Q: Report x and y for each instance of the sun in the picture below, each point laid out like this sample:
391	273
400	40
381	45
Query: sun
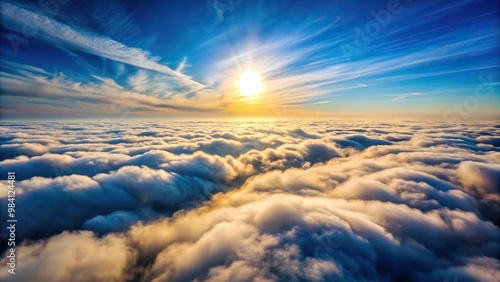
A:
250	84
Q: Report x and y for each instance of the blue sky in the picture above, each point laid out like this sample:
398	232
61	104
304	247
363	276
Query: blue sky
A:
127	59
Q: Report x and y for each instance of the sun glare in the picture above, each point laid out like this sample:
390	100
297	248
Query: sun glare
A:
250	84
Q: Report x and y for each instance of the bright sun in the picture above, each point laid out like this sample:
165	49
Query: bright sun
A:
250	84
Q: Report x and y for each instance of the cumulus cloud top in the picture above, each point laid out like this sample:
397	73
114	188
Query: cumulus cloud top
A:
255	201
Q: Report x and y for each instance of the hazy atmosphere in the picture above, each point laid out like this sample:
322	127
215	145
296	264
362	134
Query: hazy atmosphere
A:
237	140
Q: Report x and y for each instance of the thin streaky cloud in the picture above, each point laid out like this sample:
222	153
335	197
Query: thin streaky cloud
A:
58	33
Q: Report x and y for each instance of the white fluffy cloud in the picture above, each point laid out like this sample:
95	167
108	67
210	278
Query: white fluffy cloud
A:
73	257
256	201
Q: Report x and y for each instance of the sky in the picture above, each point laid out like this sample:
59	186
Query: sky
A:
185	59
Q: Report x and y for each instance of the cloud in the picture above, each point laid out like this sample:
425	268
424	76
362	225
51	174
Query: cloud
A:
65	35
480	178
102	95
403	96
25	149
72	257
182	65
257	201
76	199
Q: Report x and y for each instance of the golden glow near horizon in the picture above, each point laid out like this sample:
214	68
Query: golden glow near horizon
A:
250	84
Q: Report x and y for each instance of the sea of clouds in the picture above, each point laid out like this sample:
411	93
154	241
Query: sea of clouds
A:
262	200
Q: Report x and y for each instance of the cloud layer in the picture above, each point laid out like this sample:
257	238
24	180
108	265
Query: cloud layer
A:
255	201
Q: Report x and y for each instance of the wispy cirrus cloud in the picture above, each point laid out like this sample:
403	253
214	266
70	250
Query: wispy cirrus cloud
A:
307	65
60	34
182	65
29	88
300	64
402	96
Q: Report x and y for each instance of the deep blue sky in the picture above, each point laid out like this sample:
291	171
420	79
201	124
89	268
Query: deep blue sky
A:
184	58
